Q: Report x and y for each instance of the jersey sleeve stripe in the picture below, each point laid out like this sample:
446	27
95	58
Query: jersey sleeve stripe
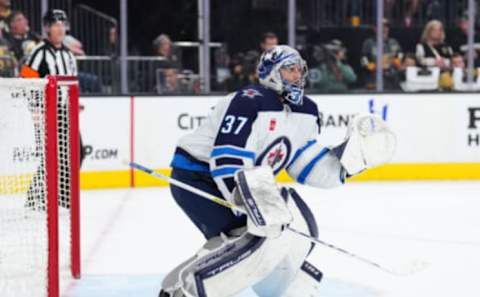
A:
224	171
306	171
230	151
299	152
228	161
183	162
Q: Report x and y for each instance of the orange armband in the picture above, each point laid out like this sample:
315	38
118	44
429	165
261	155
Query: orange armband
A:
28	72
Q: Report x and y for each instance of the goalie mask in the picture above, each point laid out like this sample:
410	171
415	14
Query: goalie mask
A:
270	72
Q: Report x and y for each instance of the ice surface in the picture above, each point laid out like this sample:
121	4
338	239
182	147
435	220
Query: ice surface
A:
132	238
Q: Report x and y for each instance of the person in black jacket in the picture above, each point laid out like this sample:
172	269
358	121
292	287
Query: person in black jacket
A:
433	51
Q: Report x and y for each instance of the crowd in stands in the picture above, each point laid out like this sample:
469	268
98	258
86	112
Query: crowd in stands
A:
17	40
437	63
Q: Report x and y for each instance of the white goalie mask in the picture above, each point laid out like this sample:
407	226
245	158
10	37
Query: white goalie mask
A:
272	61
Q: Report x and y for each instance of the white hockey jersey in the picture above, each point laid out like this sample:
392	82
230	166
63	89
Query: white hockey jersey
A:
253	127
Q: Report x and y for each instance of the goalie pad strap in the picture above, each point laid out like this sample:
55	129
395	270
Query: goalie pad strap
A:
250	204
258	193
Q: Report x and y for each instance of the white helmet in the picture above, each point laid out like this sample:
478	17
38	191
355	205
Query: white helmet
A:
271	61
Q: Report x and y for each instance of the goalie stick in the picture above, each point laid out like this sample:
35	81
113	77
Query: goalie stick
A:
227	204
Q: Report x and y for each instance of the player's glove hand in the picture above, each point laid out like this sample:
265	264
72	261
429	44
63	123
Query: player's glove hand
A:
369	143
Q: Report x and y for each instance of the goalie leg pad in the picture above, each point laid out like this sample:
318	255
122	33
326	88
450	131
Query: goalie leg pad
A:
266	209
226	266
289	270
306	282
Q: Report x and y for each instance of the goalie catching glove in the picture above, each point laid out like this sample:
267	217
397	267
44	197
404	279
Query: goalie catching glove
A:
258	194
369	142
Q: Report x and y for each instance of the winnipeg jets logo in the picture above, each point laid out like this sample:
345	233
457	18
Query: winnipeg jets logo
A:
251	93
276	154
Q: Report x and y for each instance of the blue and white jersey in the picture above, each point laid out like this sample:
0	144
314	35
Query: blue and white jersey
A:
249	128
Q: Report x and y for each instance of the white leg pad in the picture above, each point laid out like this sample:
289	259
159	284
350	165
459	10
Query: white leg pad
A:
289	276
306	282
226	266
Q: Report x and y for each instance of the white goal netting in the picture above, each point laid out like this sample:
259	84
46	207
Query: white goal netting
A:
28	257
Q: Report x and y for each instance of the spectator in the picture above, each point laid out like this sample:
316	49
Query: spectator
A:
238	78
335	75
410	10
459	75
250	62
392	54
112	46
408	60
5	12
163	47
432	49
171	82
7	59
459	39
170	77
74	45
269	40
458	61
446	82
111	49
20	38
222	71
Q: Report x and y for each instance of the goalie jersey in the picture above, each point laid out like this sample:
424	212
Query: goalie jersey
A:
252	127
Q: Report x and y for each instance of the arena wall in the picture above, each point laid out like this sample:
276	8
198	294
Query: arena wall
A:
438	134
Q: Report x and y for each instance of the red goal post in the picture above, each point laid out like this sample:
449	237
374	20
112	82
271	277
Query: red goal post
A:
39	185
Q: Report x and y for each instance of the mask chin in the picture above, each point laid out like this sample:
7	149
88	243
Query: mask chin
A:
293	94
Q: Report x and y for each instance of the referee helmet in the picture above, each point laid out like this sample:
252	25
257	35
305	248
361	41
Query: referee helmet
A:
54	15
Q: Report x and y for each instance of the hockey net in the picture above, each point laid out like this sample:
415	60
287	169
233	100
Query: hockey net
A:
39	188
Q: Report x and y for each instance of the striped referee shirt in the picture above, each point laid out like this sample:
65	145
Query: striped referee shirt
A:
46	59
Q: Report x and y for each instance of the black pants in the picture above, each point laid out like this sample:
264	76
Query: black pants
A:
210	218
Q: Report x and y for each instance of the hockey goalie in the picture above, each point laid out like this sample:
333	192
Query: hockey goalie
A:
249	137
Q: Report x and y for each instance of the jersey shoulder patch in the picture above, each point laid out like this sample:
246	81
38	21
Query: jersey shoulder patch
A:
265	99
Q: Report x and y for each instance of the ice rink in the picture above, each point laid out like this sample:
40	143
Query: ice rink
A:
132	238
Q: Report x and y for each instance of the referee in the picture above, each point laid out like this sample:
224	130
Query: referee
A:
50	57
